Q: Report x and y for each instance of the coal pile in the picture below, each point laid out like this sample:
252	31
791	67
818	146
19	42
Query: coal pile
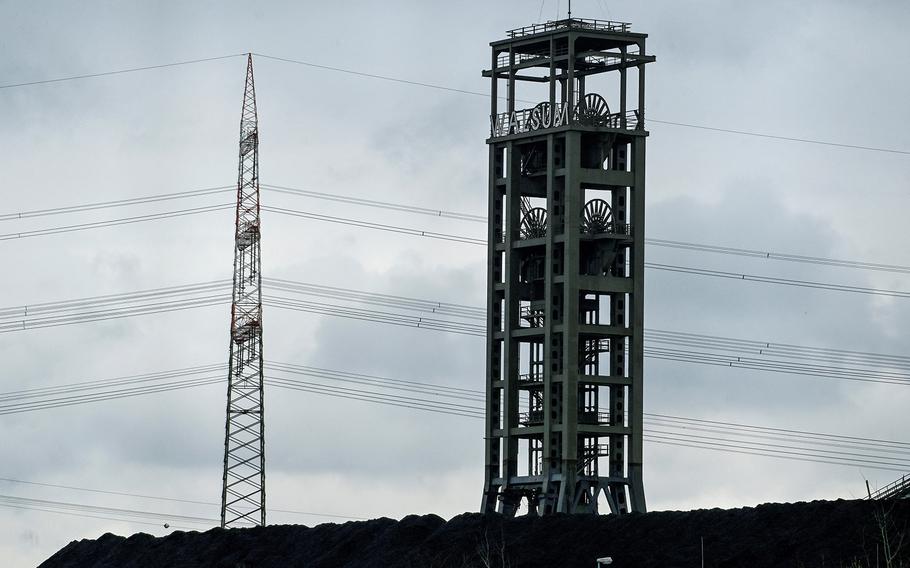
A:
821	533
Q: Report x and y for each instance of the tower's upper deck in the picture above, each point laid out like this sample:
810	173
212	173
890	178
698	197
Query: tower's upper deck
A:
607	26
567	55
599	45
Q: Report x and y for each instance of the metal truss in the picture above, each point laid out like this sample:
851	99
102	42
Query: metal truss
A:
565	269
243	482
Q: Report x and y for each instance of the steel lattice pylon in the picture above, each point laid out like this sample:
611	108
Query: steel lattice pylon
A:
243	482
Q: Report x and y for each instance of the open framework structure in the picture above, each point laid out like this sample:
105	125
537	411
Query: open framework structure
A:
566	269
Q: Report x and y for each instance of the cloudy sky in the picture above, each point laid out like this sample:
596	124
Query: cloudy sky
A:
825	70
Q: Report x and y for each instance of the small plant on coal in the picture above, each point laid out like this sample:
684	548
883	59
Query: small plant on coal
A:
892	537
492	552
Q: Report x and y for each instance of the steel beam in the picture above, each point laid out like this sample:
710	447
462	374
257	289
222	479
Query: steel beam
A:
566	274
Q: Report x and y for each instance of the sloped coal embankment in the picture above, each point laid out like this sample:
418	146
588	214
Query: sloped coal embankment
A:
821	533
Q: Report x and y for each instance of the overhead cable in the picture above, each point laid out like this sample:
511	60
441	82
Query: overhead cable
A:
441	88
170	499
671	345
115	203
114	222
486	95
677	244
119	71
377	226
859	454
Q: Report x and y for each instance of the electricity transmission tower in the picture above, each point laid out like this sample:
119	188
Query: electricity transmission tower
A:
566	269
243	482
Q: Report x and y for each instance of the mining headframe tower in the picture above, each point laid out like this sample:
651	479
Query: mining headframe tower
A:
565	286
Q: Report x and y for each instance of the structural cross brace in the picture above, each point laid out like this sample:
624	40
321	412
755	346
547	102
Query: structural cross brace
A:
565	286
243	480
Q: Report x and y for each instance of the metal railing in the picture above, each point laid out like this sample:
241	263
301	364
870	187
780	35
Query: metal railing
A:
535	417
606	58
593	417
597	450
524	57
574	23
898	489
615	228
505	124
530	378
532	418
533	316
622	228
603	59
597	345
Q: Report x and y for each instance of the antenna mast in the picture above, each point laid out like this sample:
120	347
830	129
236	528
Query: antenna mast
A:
243	481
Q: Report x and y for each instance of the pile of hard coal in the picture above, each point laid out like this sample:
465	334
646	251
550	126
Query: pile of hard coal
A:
820	533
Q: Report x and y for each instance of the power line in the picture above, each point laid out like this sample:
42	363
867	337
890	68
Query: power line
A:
89	516
804	454
707	425
434	389
655	436
376	203
107	395
834	454
734	450
699	348
467	240
171	499
373	380
758	347
417	403
796	450
118	72
116	381
769	361
765	349
369	75
107	299
419	322
702	247
109	314
461	216
649	265
114	203
298	192
775	362
111	389
786	138
472	394
653	424
769	255
436	87
80	507
459	409
99	512
779	281
710	360
771	365
681	124
406	302
370	396
778	430
113	222
377	226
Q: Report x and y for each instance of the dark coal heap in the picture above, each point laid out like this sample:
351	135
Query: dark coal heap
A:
821	533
